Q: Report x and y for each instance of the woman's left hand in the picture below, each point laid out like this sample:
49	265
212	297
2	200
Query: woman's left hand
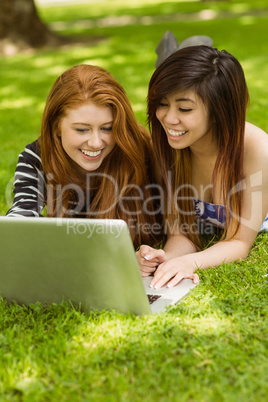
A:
173	271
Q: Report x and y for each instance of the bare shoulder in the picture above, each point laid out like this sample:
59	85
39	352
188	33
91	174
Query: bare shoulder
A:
256	147
254	134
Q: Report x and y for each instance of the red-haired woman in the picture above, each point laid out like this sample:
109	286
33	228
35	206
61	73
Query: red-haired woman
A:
213	165
93	158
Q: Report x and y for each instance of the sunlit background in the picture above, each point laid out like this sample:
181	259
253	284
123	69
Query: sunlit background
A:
122	36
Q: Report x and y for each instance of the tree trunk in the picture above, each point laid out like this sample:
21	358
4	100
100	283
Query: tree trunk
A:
21	26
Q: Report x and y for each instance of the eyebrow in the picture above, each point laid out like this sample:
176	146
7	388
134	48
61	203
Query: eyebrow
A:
87	124
184	100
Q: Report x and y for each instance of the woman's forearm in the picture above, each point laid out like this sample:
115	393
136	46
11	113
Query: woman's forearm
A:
177	246
222	252
173	270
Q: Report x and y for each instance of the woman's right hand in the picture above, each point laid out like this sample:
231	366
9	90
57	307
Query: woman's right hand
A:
149	258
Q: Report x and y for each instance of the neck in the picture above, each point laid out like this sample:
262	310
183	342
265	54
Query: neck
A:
207	151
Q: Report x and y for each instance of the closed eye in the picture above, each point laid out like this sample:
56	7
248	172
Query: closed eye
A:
81	130
107	129
185	110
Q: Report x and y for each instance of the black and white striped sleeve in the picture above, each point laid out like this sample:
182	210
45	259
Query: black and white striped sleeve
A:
29	184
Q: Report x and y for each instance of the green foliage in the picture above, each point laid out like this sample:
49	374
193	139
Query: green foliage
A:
213	345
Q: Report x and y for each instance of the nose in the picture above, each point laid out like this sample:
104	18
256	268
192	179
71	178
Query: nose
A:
171	116
94	140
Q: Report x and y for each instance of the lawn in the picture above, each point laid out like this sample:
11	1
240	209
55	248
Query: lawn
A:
213	346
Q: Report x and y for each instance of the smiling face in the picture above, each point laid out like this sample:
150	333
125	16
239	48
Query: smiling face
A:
184	118
86	135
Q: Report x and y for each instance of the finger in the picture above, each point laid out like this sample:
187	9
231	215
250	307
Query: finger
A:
180	276
149	264
161	256
148	269
147	273
195	278
145	250
143	262
155	255
161	278
174	281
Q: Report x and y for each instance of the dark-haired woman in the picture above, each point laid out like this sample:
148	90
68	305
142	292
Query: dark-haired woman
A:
213	164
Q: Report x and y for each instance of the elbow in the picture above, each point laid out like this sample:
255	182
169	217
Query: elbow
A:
240	250
243	252
243	256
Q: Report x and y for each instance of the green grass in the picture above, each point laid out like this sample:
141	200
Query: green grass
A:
213	345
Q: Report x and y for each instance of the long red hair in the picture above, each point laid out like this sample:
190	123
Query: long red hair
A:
119	186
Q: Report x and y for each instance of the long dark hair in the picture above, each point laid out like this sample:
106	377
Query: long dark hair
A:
218	79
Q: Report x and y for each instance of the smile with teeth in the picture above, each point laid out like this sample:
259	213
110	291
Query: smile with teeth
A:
91	153
175	133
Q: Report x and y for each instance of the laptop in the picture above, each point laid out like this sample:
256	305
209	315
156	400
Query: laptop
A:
88	262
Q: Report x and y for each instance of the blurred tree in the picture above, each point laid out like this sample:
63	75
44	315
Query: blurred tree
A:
21	26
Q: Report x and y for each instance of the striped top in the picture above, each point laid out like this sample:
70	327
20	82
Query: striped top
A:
29	184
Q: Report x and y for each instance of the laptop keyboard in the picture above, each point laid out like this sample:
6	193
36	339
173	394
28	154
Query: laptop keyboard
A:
153	298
